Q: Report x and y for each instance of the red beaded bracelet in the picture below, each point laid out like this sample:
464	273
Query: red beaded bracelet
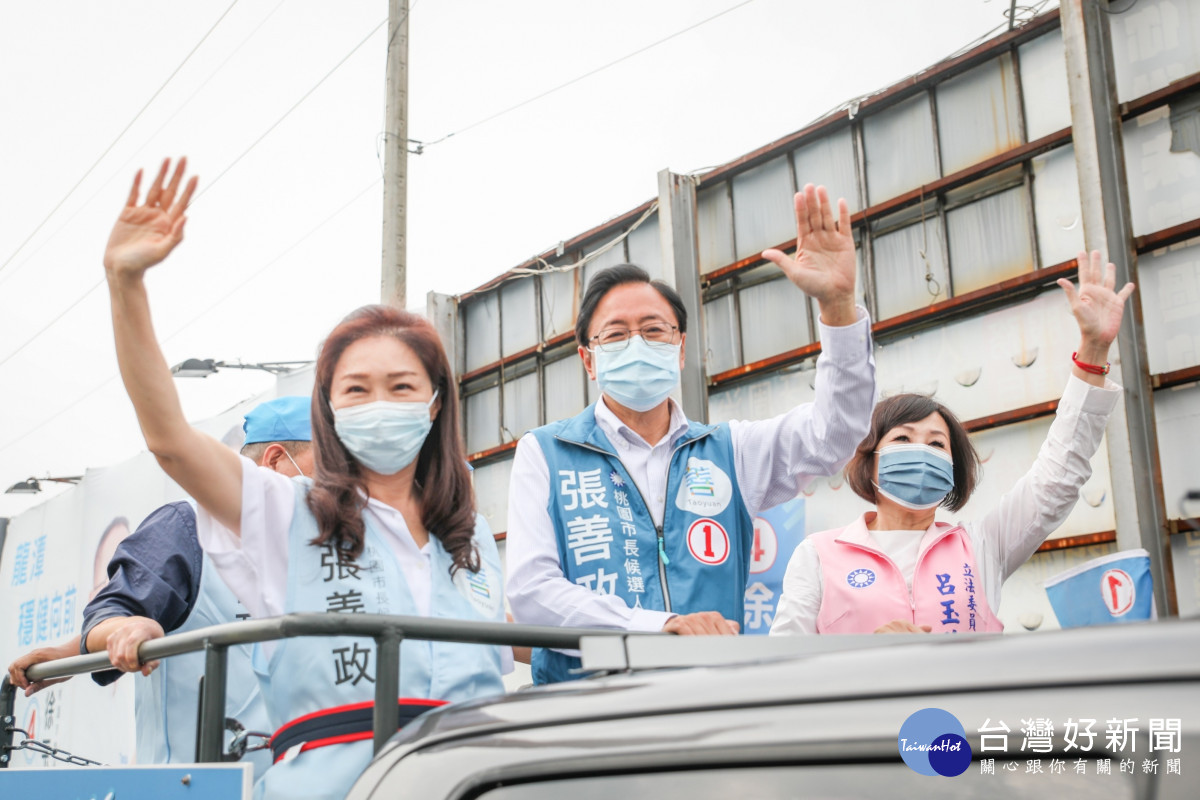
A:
1094	369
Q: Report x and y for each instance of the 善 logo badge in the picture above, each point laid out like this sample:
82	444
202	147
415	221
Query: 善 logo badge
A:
933	742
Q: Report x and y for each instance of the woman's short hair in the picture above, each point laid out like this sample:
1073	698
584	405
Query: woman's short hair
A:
442	480
903	409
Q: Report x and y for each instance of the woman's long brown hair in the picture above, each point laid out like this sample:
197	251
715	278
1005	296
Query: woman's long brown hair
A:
442	482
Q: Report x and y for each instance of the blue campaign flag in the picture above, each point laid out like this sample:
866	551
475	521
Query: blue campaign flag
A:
777	531
1113	589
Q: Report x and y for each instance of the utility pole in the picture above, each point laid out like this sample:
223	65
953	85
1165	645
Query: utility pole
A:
1139	510
395	159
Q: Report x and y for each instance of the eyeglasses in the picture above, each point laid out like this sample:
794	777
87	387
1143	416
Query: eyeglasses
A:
656	334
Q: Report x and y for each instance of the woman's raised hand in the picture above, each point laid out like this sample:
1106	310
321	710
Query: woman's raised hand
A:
824	266
146	234
1097	308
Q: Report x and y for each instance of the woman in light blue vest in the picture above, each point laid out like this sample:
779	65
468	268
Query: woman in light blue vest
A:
386	524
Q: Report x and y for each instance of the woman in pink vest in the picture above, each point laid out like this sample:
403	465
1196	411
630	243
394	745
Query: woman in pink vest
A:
896	569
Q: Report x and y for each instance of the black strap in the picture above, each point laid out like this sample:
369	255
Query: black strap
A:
337	722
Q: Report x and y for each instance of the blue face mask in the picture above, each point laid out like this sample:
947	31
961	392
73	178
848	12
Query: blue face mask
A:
384	436
915	476
639	377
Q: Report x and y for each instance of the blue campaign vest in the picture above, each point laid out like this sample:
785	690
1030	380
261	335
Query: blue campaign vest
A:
165	704
310	674
607	540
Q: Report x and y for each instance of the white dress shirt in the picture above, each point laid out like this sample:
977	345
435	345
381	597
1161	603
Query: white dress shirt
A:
774	460
255	565
1005	537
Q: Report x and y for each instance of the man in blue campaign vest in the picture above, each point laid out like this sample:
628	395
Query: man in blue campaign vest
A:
160	581
631	516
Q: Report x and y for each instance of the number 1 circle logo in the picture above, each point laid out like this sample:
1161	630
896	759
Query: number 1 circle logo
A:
708	542
1118	591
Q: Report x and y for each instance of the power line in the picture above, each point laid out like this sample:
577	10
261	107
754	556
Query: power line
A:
52	322
46	422
113	144
99	283
575	80
120	171
374	182
287	113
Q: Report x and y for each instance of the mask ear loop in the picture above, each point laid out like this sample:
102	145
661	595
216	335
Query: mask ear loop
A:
294	464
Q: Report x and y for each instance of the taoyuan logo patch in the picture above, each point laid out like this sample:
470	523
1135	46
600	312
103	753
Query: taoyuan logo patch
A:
481	588
933	742
705	490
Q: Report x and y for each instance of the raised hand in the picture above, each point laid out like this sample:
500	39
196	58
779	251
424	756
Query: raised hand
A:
1097	308
145	234
824	266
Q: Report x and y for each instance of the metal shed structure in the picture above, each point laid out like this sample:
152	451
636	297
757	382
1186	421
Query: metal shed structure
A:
972	185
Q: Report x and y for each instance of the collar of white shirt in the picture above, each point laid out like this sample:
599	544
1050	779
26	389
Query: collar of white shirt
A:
391	522
617	431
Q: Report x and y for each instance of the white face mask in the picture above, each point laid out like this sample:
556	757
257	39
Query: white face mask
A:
639	377
384	436
915	476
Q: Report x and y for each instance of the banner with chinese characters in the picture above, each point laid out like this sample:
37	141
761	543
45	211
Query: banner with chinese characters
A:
54	560
1098	746
777	531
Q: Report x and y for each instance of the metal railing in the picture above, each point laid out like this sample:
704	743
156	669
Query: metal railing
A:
388	631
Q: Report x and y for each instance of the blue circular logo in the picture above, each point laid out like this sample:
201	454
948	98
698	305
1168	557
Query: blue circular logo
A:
860	578
933	742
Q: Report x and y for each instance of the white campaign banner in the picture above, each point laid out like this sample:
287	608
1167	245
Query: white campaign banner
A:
55	558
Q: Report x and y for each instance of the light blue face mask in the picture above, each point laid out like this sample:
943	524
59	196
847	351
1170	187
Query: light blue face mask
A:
915	476
384	436
640	376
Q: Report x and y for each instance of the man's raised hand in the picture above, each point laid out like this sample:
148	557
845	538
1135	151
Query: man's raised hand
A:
824	266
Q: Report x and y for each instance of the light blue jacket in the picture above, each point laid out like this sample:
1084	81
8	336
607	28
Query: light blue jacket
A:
607	541
308	674
166	703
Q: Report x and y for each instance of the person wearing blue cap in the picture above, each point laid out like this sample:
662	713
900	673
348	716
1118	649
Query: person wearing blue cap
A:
386	525
160	581
278	430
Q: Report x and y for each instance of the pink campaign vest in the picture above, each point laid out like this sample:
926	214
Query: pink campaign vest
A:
862	589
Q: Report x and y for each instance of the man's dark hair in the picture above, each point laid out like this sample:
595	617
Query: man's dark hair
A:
607	279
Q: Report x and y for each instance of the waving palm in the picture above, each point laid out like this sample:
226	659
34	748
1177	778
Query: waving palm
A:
1097	308
824	265
144	235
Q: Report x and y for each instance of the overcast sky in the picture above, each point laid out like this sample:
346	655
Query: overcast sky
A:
284	236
